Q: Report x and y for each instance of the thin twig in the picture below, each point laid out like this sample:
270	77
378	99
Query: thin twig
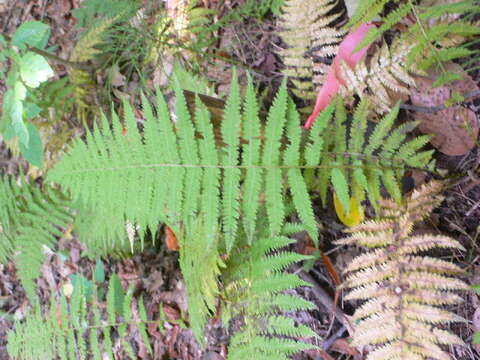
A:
329	342
433	109
322	296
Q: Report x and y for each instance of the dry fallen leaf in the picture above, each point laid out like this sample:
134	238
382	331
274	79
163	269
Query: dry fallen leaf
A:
455	129
171	239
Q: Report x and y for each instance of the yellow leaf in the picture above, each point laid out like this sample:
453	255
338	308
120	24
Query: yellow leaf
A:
354	217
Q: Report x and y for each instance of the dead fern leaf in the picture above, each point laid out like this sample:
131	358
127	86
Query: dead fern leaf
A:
311	32
381	77
403	289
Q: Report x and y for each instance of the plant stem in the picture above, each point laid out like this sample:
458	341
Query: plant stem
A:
55	58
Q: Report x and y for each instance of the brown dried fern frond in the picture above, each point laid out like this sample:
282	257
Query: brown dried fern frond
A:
403	288
381	77
310	28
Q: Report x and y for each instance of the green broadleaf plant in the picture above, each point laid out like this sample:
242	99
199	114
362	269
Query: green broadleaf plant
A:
27	72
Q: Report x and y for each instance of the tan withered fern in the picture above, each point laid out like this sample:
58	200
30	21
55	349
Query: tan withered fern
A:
310	29
403	287
382	77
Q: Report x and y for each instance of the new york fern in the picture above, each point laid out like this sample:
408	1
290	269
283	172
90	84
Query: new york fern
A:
403	287
75	328
30	218
310	29
255	285
178	173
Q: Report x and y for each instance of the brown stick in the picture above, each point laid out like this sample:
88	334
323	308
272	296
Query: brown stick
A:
325	299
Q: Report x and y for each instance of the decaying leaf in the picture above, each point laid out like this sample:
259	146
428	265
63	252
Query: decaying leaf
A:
354	216
455	129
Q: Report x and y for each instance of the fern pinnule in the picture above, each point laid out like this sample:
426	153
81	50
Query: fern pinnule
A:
402	287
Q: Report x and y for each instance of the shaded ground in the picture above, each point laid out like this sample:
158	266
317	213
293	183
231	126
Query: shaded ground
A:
155	272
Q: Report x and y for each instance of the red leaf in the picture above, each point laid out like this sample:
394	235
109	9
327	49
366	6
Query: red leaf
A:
345	53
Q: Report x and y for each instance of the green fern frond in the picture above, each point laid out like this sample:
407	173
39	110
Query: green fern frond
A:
434	38
403	288
30	219
200	263
365	161
254	286
62	333
144	182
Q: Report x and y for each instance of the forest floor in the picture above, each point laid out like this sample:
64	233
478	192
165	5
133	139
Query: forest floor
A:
155	272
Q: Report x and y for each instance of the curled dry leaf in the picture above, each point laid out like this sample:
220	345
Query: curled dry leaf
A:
454	129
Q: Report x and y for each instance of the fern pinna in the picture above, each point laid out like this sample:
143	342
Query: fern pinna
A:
403	288
30	218
75	328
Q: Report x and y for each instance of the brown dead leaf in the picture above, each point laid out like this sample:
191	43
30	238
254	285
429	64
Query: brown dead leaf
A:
342	346
117	79
171	314
171	239
455	129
